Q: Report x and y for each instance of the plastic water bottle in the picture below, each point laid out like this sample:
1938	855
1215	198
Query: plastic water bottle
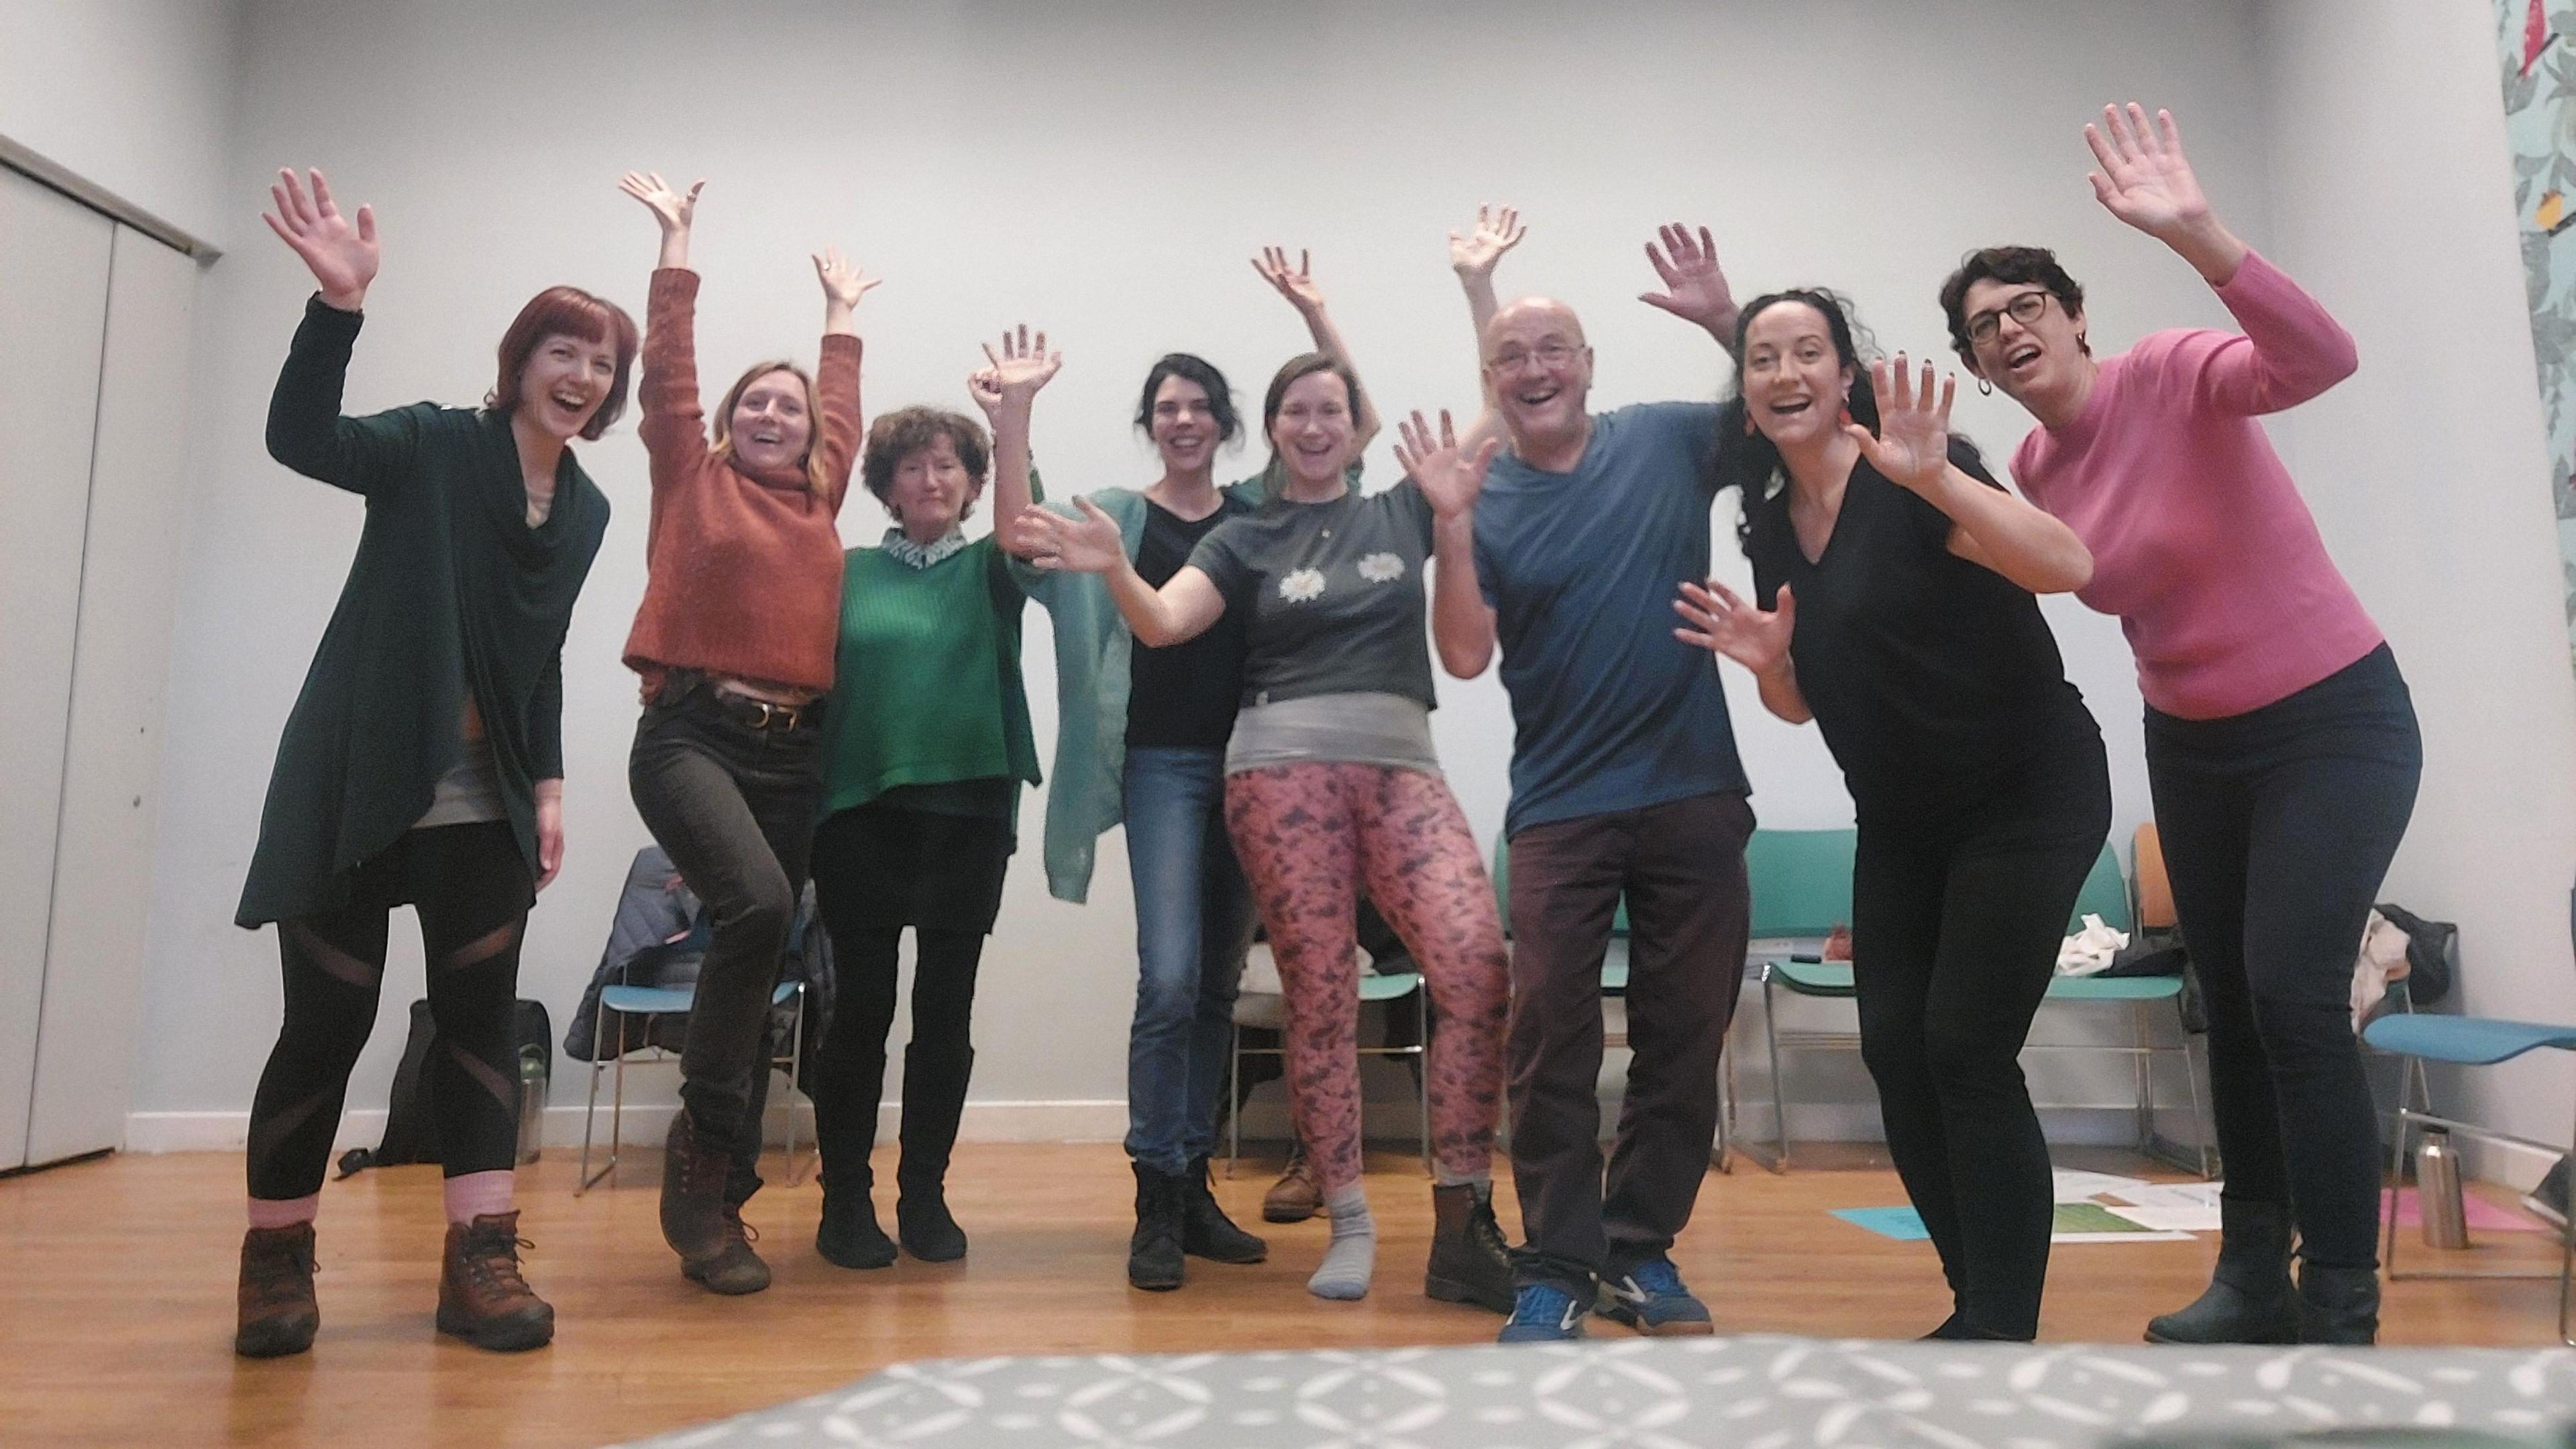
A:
2437	1191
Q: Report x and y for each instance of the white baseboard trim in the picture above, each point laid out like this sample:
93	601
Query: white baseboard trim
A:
1072	1121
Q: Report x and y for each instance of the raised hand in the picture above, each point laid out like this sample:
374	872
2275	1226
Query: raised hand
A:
1723	622
1016	372
1297	285
1086	545
1498	230
1448	478
2144	179
844	281
1912	445
1695	289
672	209
342	256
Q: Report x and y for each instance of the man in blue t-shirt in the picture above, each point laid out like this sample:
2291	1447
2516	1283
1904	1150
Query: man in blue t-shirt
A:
1625	783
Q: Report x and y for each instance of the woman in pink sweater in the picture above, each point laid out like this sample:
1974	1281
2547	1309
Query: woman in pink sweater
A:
2281	744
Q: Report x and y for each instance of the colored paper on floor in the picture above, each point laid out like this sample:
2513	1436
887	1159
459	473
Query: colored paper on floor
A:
2188	1207
2073	1186
2483	1216
1901	1223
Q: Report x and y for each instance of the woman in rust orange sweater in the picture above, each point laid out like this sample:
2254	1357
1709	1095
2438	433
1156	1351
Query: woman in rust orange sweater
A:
734	641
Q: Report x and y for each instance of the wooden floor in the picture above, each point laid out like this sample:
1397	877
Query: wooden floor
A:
116	1294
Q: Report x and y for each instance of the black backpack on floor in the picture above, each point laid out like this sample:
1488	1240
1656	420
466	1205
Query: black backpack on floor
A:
409	1137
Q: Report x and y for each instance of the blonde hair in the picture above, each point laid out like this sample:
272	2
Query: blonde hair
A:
722	448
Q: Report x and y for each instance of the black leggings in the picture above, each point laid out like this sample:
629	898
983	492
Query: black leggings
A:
471	888
1955	931
2278	826
876	870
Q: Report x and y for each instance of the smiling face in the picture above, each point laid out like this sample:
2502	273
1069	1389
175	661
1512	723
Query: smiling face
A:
1795	379
1540	371
1312	430
2039	359
564	381
931	490
1184	425
771	422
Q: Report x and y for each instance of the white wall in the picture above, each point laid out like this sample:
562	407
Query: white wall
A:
1104	174
2429	473
135	96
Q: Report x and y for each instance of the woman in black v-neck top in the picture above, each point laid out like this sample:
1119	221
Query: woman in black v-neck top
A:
1899	578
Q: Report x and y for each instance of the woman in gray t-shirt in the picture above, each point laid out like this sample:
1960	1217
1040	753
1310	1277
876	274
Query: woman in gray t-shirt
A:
1331	783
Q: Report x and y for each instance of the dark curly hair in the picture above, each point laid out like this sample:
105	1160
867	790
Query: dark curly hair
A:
1749	461
1190	367
2025	265
899	434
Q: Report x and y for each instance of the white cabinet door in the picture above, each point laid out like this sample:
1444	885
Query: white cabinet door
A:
54	262
102	885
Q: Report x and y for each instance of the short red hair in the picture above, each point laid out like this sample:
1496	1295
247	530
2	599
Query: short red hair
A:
566	312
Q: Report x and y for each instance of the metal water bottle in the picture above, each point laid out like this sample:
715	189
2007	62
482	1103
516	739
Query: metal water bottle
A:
532	1102
2437	1191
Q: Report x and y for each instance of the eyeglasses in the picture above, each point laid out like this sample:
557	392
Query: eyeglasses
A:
1549	354
2024	309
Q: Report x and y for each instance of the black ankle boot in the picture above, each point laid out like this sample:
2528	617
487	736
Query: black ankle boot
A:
848	1236
1206	1232
921	1220
2249	1298
2338	1305
1154	1251
1470	1262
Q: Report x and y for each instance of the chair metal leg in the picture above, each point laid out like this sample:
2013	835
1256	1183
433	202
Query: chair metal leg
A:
2143	1059
2566	1268
616	1102
1779	1105
1234	1097
2406	1080
795	1071
590	1110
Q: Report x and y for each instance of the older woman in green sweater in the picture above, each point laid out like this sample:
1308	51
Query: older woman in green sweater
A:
927	742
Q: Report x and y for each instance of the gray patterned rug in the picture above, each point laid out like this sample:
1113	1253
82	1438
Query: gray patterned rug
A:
1763	1393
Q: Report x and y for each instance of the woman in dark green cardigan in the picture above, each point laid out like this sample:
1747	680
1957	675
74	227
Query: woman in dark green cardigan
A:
423	762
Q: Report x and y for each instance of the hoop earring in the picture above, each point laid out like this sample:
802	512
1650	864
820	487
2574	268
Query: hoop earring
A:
1985	387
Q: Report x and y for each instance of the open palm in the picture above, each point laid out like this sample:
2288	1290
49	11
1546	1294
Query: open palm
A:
1724	622
1912	445
1498	230
1086	545
1447	477
341	253
1296	283
674	210
2144	179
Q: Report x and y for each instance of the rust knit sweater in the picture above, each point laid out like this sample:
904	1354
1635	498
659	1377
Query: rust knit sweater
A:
743	571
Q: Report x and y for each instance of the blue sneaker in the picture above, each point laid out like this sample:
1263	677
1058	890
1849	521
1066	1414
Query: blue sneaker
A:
1543	1313
1652	1300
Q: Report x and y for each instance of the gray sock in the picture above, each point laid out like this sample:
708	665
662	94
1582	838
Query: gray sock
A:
1352	1255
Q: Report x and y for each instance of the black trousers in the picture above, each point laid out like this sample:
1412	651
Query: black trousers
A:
733	806
2278	826
878	869
1681	866
471	888
1956	923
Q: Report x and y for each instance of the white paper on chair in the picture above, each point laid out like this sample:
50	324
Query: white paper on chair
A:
2075	1186
2189	1207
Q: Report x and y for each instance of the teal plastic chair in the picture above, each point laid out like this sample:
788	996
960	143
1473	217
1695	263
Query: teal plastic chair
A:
1802	889
632	1005
1384	990
2468	1041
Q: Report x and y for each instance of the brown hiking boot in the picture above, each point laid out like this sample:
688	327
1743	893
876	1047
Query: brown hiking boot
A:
277	1313
1470	1262
694	1217
733	1268
481	1297
1294	1197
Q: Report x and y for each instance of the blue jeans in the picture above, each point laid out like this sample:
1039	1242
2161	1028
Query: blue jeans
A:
1193	923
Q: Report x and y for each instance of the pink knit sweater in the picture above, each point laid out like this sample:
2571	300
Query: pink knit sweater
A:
2201	544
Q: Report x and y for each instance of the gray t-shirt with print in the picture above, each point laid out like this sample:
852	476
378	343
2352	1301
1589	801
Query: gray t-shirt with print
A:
1334	592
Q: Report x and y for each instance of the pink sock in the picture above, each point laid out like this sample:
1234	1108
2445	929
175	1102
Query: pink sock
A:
284	1212
478	1194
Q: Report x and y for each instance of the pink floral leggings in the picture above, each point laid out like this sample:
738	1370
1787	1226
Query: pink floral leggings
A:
1309	836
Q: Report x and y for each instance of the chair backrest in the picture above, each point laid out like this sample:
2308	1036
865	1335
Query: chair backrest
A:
1502	873
2105	894
1802	881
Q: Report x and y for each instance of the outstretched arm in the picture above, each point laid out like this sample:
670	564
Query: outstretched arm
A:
1177	612
1473	257
1450	476
2145	182
675	212
305	429
673	427
836	378
1005	389
1990	527
1299	287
